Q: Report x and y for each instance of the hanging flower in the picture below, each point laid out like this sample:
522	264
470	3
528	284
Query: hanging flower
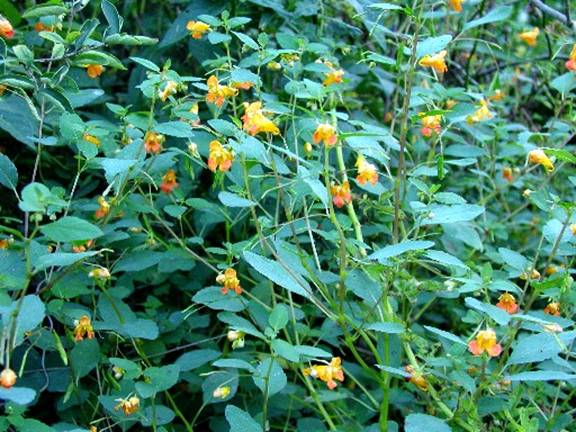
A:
507	174
197	29
169	182
326	133
171	88
100	273
153	142
436	61
6	29
104	208
481	114
485	341
507	302
552	308
244	85
237	338
255	121
274	66
221	392
430	124
7	378
5	243
530	37
498	95
91	139
40	27
341	194
533	275
229	281
367	172
333	76
219	158
329	373
128	406
456	5
94	70
537	156
83	328
416	378
83	246
217	93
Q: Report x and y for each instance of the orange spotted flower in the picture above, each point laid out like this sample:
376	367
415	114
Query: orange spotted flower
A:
430	124
169	182
508	303
333	76
197	29
507	174
83	328
104	208
7	378
485	341
481	114
456	5
6	29
171	88
537	156
329	373
219	158
326	133
416	378
128	406
436	61
229	281
94	70
341	194
255	122
153	142
552	308
217	93
367	172
530	37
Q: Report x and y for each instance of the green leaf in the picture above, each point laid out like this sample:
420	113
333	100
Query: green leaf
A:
158	379
239	323
232	200
96	57
23	316
535	348
240	421
8	173
18	395
175	128
382	255
269	377
84	357
445	258
444	214
130	40
114	19
564	83
386	327
432	45
146	63
61	259
500	316
446	335
285	350
497	14
541	376
425	423
70	229
194	359
561	154
44	10
247	40
278	317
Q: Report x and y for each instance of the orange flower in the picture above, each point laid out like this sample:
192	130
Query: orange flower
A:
482	113
6	29
217	93
333	76
94	70
507	174
430	124
507	302
456	5
416	378
82	247
153	142
485	341
128	406
171	88
5	243
537	156
498	95
219	157
83	328
40	27
530	37
571	63
436	61
255	121
341	194
169	182
451	103
553	308
7	378
246	85
229	281
367	172
104	208
197	29
91	139
328	372
327	133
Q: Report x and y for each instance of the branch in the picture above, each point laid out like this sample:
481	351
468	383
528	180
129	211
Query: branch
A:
554	13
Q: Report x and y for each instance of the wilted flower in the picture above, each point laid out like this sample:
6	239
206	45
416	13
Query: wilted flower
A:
100	273
416	378
533	275
552	308
552	328
91	139
255	121
367	172
456	5
485	341
153	142
221	392
6	29
94	70
508	303
217	93
7	378
169	182
527	192
193	149
329	373
170	89
229	281
482	113
537	156
118	372
326	133
436	61
341	194
507	174
430	124
219	158
104	208
274	66
83	328
530	37
128	406
237	338
197	29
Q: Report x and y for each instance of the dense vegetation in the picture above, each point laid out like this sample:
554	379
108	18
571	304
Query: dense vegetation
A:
287	215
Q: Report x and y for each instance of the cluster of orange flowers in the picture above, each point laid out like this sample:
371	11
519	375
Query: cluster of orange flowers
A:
329	373
431	124
229	281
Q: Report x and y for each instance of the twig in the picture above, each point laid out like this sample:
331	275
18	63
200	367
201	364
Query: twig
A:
554	13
